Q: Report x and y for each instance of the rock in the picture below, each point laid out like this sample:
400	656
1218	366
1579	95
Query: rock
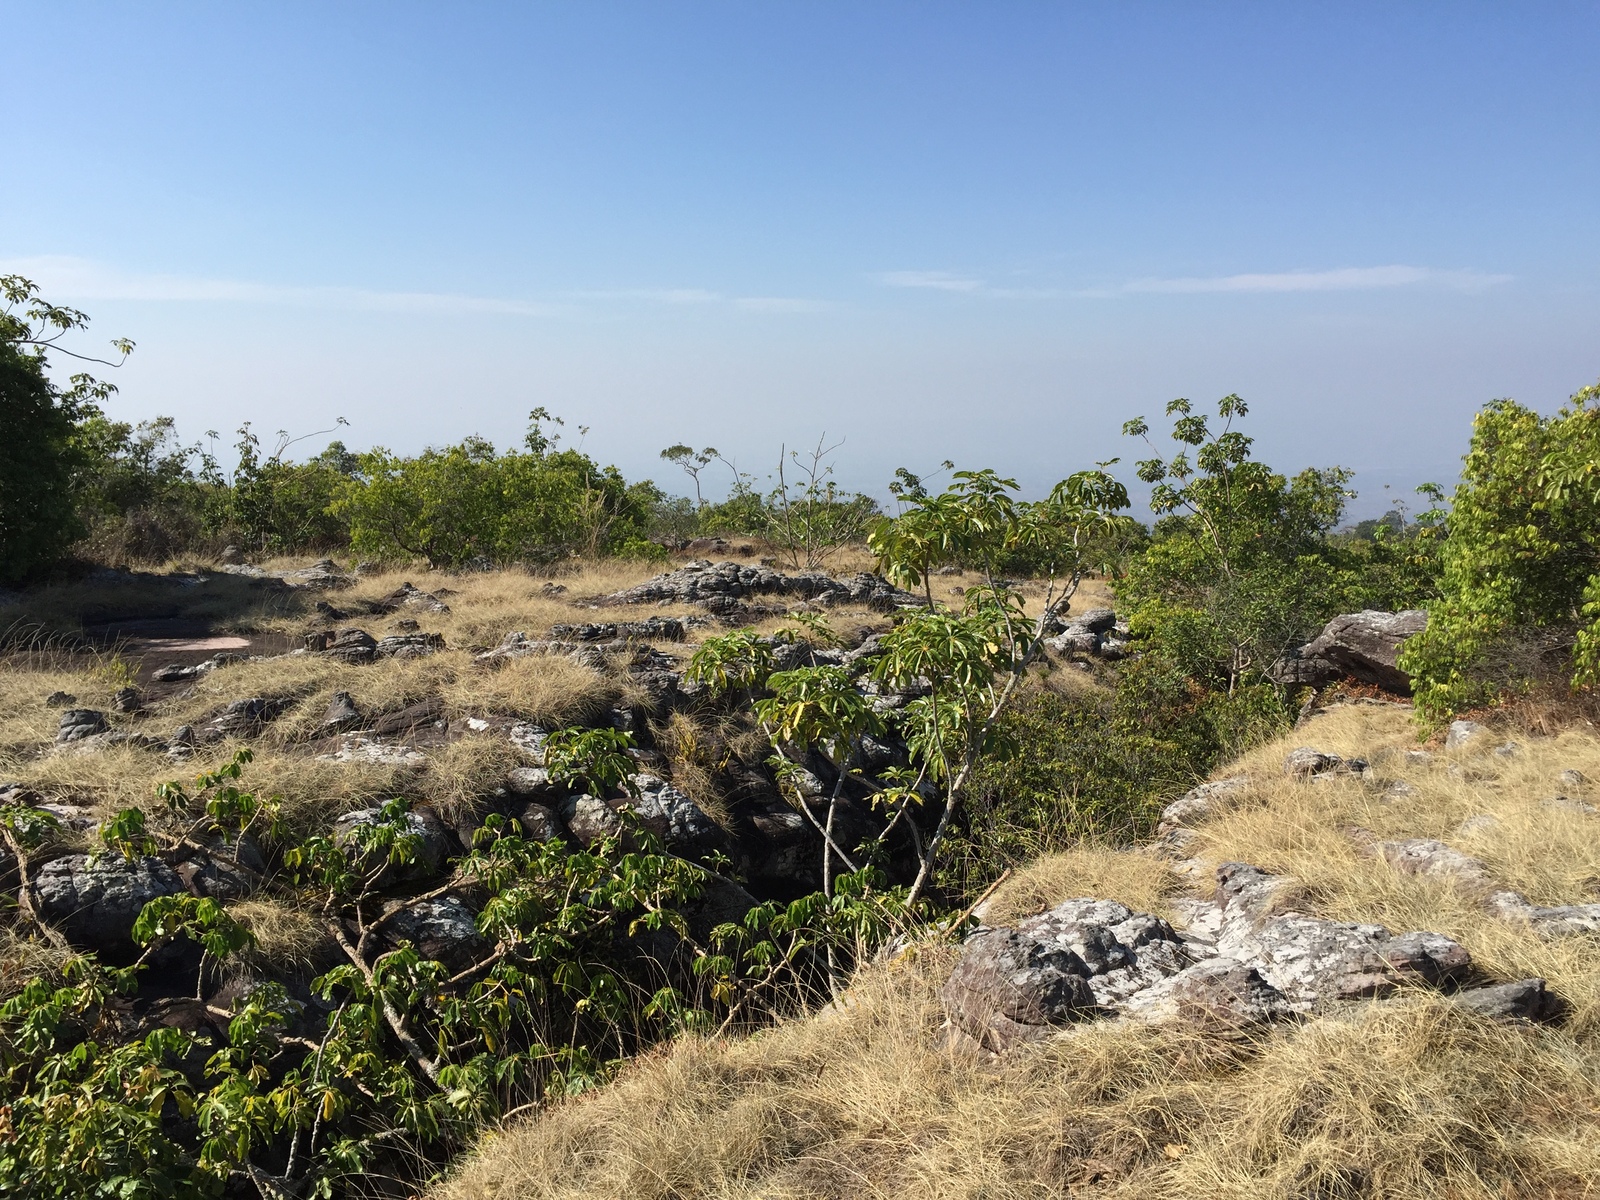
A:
1096	620
1480	823
1418	758
1567	804
1304	762
590	819
341	713
176	672
409	645
1366	645
1200	803
353	646
243	718
1523	1000
127	700
423	712
79	723
1560	920
231	555
95	902
662	629
443	928
1008	989
703	582
1295	668
1462	733
1216	993
407	625
376	753
1400	790
672	816
322	575
407	596
1122	952
434	846
221	871
539	823
1571	777
60	699
530	739
531	782
1508	749
1074	640
1425	856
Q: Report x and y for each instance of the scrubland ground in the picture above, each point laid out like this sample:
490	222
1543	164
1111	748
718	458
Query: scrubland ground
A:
1405	1097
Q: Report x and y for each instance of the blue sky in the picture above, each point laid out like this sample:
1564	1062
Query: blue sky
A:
986	232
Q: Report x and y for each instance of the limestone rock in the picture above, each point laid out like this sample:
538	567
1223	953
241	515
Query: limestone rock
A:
674	817
1560	920
1008	989
1215	993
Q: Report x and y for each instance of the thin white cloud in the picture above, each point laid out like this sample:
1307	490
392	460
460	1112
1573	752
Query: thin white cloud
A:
1339	280
67	278
941	281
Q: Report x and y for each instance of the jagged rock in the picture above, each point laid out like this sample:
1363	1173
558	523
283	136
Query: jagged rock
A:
664	629
442	928
539	823
376	753
530	739
95	902
1366	645
60	700
243	718
1304	762
177	673
1200	803
183	737
1523	1000
127	700
1462	733
341	714
409	596
221	870
1074	640
1508	749
1216	993
701	581
435	843
673	816
1560	920
1008	989
423	712
408	645
79	723
322	575
589	819
1122	951
531	782
1314	962
1247	891
1425	856
354	646
1294	668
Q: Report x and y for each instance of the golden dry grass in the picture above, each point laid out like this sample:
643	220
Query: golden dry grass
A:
288	940
1406	1098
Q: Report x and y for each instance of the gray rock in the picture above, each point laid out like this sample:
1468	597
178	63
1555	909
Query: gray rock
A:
1400	790
1462	733
1294	668
444	929
1508	749
661	629
1304	762
1426	856
539	823
79	723
243	718
341	714
373	752
408	645
531	782
1008	989
709	583
409	596
1477	824
1571	778
1201	803
1074	640
353	646
434	842
96	901
127	700
1366	645
670	814
1216	993
60	699
1561	920
1122	952
589	819
1567	804
1522	1000
322	575
1095	620
1418	758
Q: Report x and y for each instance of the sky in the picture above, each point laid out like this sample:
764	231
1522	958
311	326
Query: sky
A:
984	232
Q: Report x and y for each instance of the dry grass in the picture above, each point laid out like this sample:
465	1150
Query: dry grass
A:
1406	1098
288	940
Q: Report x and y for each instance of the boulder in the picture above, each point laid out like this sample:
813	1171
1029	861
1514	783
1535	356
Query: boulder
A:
127	700
1215	993
322	575
539	823
719	586
409	596
1366	645
352	646
60	700
1561	920
243	718
1008	989
1304	762
1462	733
1426	856
423	712
435	843
532	782
1200	803
1121	951
408	645
671	815
341	714
589	819
79	723
442	928
95	901
1521	1000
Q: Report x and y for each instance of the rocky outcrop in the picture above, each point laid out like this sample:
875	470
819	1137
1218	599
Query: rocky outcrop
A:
1363	645
715	584
1304	762
243	718
80	723
661	629
1237	962
95	901
443	928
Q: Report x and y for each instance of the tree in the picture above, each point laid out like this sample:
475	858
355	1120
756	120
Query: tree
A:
1520	560
39	453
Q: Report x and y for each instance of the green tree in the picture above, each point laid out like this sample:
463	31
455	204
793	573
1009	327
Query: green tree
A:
1521	559
40	452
